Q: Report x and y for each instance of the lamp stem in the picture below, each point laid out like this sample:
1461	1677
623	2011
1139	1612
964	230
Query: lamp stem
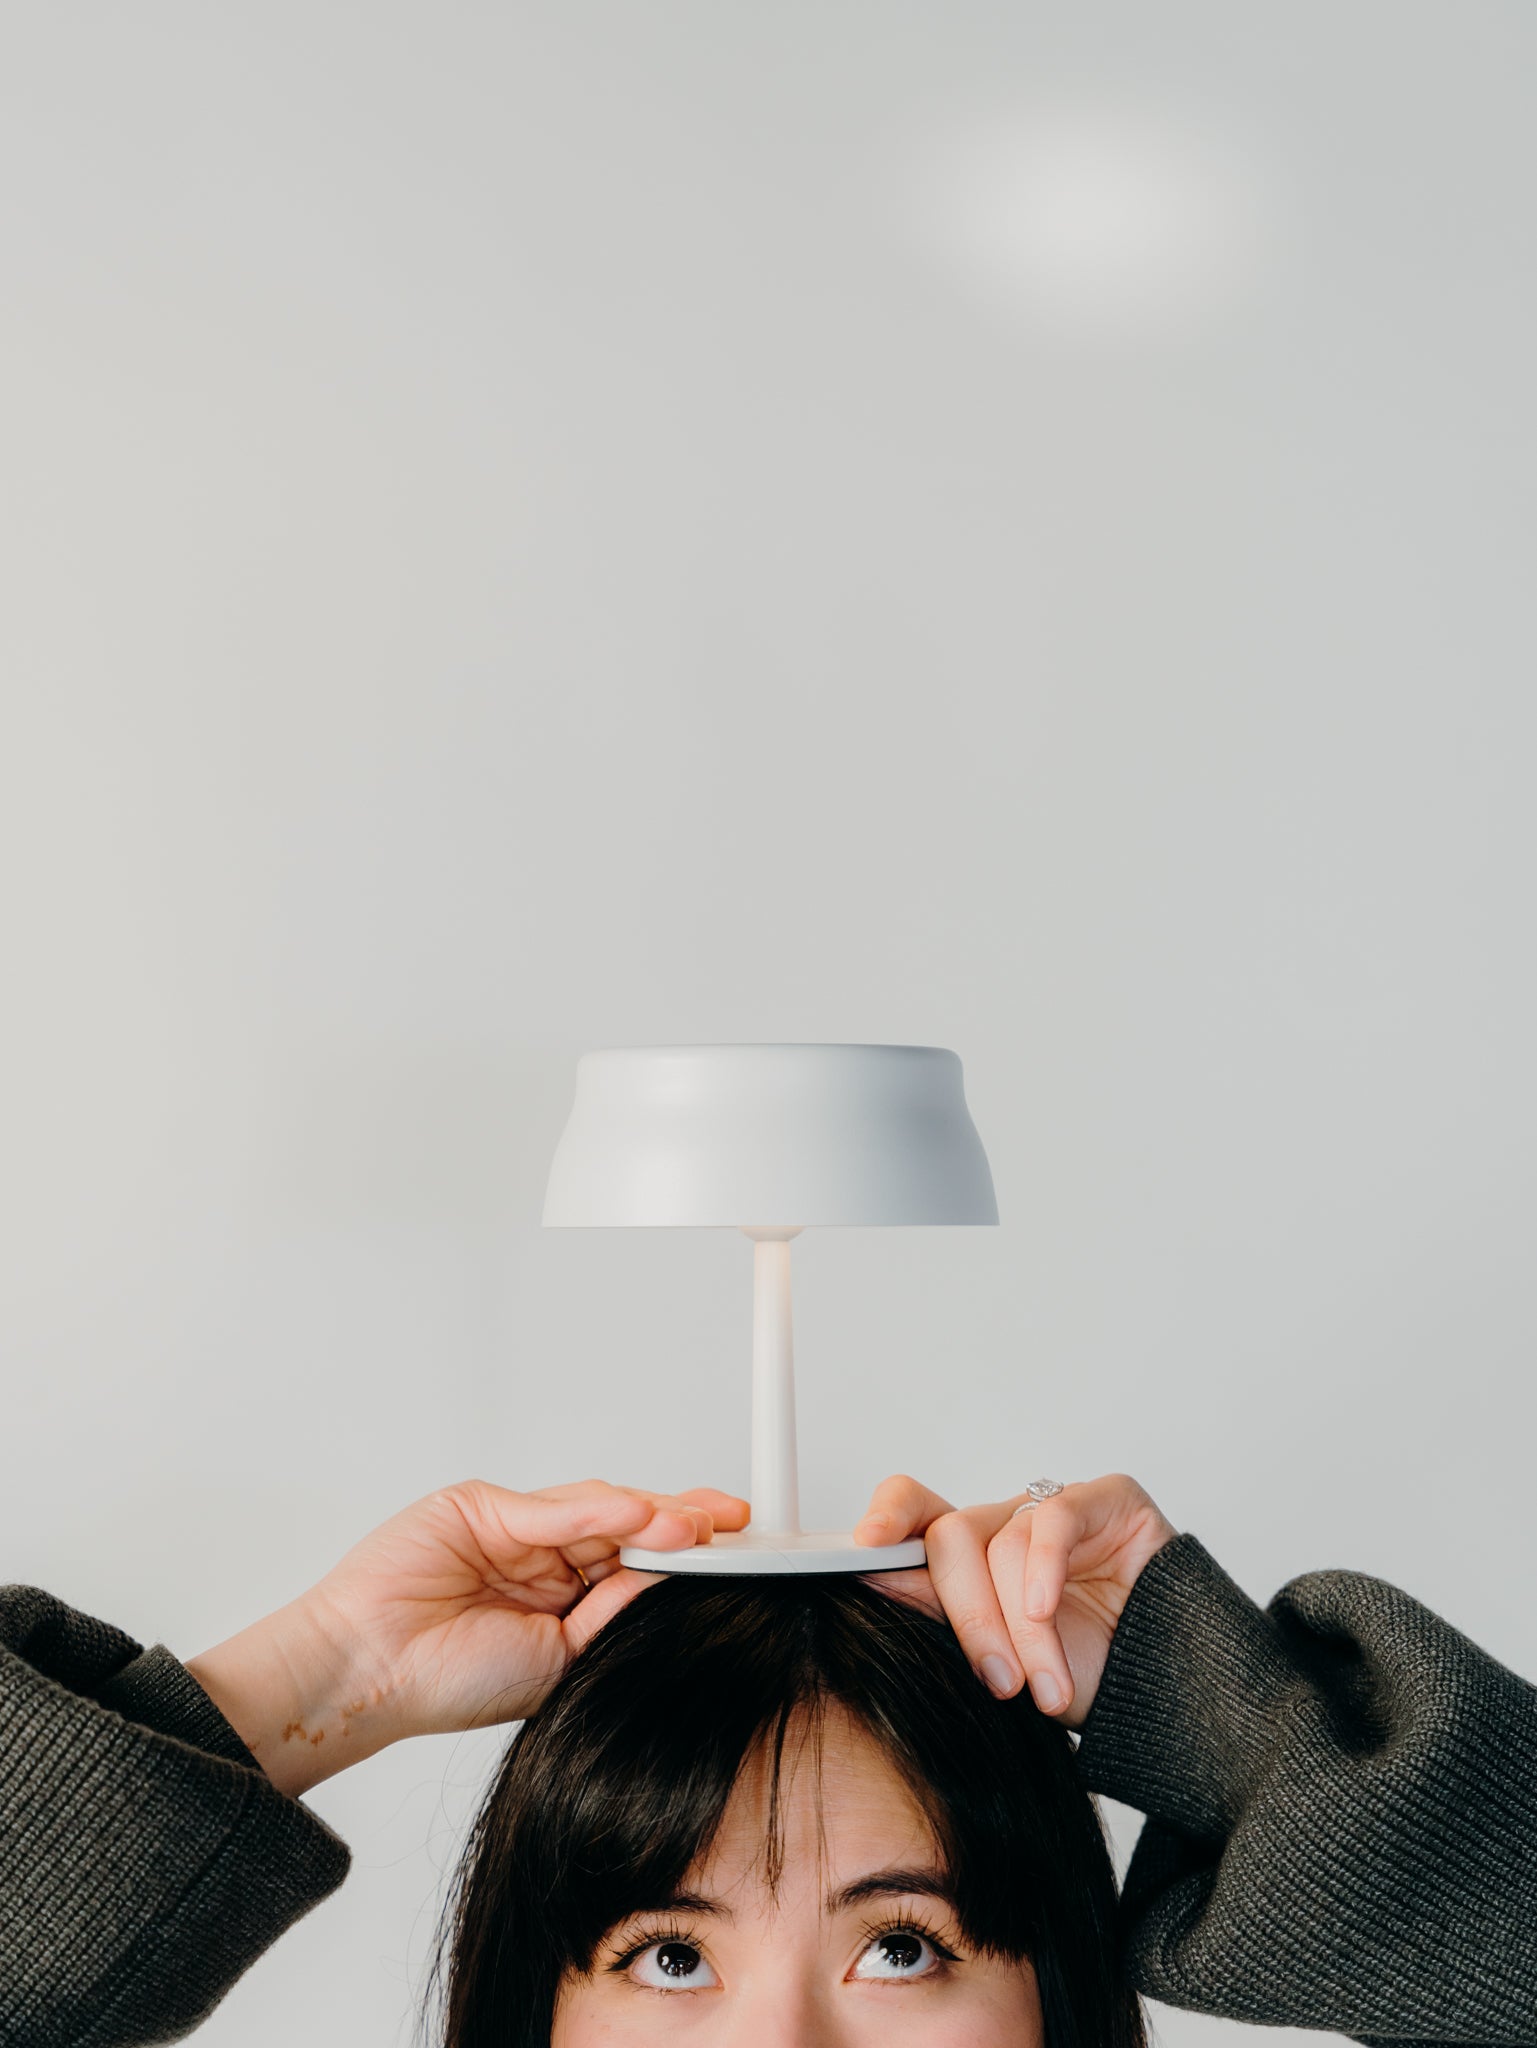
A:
775	1470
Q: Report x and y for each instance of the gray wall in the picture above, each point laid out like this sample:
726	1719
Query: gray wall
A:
537	527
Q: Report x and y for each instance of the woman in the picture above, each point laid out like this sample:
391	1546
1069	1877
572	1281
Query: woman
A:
785	1812
1341	1791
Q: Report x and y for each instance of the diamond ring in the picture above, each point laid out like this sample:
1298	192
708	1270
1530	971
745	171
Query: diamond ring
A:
1038	1490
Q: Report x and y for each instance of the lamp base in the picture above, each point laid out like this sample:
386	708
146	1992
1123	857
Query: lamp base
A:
747	1553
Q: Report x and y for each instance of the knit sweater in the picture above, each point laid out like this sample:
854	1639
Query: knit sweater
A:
1341	1795
145	1858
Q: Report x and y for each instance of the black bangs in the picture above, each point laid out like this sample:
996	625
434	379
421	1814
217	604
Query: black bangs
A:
620	1783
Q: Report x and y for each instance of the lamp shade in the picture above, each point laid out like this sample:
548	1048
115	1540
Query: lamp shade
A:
769	1135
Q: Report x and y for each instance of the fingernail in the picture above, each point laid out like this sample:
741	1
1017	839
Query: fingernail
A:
1035	1599
872	1526
1000	1675
1048	1694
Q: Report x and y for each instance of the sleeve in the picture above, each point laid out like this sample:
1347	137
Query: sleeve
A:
146	1860
1341	1795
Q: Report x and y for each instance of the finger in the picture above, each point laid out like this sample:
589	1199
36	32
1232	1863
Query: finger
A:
670	1528
706	1506
562	1516
673	1528
1057	1527
600	1567
913	1586
959	1570
1028	1558
900	1507
699	1517
726	1510
602	1604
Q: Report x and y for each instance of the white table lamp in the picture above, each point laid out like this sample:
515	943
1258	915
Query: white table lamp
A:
770	1139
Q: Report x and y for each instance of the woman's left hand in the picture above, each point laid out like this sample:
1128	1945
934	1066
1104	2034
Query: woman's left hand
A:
1033	1595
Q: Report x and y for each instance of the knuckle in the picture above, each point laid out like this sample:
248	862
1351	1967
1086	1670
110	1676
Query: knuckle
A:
463	1501
971	1619
461	1490
1031	1645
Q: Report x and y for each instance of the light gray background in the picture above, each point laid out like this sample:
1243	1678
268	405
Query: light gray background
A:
532	527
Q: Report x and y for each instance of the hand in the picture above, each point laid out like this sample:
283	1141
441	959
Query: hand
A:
461	1611
1034	1596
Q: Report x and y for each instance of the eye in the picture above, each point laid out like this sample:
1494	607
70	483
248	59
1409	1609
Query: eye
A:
672	1966
896	1954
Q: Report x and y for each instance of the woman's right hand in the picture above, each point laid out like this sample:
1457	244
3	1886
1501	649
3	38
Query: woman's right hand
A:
1034	1595
460	1611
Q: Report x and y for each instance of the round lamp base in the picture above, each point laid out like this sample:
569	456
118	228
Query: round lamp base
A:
748	1553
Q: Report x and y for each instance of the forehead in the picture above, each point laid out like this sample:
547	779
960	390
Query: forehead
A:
842	1810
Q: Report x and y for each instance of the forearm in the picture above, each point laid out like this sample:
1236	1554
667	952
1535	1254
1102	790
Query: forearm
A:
292	1687
1342	1802
144	1861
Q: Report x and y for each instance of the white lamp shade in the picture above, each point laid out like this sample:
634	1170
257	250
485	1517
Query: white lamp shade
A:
770	1136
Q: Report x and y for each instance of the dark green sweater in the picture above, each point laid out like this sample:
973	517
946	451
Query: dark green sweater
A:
1341	1791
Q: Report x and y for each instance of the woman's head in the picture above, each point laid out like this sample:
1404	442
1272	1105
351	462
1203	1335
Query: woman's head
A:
785	1812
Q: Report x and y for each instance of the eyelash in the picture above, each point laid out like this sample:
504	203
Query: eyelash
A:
872	1930
673	1931
912	1924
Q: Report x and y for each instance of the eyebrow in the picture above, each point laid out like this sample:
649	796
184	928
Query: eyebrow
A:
925	1883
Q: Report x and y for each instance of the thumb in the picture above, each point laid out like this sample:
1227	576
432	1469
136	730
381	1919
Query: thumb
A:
590	1613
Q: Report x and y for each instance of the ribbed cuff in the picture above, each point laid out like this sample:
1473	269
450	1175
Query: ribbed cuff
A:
147	1857
160	1693
246	1881
1184	1721
74	1648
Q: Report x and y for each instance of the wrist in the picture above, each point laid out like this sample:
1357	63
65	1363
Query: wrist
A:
290	1687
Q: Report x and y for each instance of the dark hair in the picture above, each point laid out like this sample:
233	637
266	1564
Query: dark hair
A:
608	1795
